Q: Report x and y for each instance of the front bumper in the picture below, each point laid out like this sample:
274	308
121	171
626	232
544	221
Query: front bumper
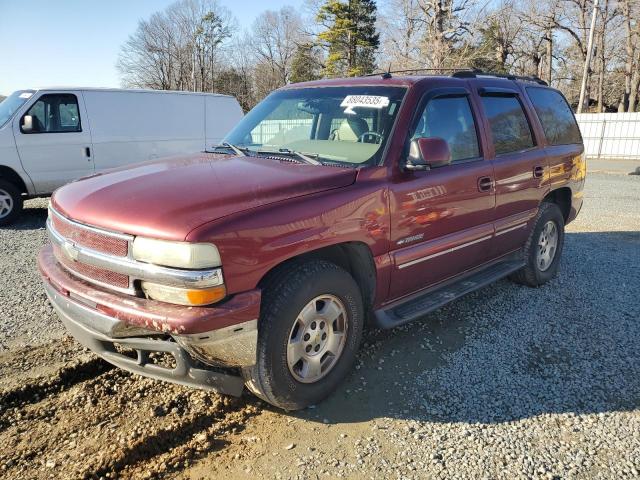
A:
106	323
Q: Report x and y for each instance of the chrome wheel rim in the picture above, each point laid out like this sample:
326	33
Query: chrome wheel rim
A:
317	338
547	246
6	203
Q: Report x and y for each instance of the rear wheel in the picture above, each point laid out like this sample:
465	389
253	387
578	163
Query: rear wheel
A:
10	202
309	333
543	248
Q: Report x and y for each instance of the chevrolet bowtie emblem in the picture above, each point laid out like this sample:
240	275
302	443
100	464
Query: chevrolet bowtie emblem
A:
71	250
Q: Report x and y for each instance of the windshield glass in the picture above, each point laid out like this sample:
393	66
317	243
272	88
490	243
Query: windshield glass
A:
345	125
12	103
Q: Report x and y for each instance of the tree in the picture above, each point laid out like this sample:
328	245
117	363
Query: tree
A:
445	29
630	13
179	48
275	39
498	35
306	64
349	36
404	31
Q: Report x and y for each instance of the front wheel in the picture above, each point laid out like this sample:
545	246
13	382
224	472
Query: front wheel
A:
10	202
543	248
308	336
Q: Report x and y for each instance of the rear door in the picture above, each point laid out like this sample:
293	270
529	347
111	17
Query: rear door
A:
58	147
519	164
564	148
441	219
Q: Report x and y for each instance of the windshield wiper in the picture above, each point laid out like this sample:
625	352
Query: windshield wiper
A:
237	150
300	155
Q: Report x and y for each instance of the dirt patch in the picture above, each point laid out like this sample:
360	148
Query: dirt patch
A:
78	417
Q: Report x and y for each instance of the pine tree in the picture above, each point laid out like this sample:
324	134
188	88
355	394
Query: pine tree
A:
305	64
350	36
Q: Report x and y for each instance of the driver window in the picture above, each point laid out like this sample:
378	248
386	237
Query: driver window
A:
55	113
450	118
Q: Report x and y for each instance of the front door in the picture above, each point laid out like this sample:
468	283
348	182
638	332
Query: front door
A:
57	147
441	219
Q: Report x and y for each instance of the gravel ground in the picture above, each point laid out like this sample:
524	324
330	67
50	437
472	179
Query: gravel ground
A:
509	382
25	314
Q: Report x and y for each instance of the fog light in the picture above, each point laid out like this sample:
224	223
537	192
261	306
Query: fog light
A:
184	296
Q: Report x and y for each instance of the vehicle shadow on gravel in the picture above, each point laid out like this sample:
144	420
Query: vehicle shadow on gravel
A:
509	352
32	218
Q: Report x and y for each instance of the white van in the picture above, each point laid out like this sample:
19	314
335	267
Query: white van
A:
51	136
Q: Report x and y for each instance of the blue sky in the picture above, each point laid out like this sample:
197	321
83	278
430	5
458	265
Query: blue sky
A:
76	42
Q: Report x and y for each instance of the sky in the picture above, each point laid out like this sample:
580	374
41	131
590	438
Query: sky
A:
76	42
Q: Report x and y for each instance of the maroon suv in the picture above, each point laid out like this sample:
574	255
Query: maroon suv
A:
331	204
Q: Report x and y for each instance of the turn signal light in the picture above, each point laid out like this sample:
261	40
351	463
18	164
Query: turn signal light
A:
206	296
184	296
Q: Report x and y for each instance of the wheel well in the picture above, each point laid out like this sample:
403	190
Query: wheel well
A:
10	175
562	198
354	257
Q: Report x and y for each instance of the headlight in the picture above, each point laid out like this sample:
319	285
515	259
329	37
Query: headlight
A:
176	254
183	296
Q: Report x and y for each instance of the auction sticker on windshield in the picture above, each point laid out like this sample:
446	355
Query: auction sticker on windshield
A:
365	101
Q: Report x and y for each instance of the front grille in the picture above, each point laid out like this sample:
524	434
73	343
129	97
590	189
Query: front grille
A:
90	273
86	237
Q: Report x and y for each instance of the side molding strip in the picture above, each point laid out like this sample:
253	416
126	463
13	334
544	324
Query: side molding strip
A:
443	252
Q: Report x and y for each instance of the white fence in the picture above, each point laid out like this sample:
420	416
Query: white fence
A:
611	135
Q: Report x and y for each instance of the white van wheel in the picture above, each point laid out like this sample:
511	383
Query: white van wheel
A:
10	202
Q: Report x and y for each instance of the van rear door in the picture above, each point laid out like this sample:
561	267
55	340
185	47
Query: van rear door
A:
57	148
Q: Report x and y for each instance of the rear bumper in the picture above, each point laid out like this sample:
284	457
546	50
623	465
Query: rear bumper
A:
103	321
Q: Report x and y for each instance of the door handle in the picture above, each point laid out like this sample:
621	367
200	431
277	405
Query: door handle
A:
538	171
485	184
87	153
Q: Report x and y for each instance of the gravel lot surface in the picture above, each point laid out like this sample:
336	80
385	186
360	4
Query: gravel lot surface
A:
509	382
25	314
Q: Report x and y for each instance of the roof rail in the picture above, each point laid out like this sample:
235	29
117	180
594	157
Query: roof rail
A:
431	71
474	73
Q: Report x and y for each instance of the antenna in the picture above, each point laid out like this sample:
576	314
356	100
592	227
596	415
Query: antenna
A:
387	74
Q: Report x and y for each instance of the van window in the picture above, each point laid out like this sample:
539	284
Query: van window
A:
12	103
555	115
450	118
55	113
509	126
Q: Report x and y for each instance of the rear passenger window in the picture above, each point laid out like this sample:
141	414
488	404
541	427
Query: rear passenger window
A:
55	113
509	126
450	118
556	117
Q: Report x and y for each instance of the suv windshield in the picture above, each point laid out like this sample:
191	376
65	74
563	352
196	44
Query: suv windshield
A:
12	103
345	125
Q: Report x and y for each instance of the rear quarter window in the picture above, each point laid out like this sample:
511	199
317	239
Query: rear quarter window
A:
555	115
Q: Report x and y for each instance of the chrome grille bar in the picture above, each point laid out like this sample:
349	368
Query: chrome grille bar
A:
134	269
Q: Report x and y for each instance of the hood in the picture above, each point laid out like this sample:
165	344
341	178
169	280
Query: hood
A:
167	199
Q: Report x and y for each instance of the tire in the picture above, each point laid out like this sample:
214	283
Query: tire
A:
298	297
10	202
540	267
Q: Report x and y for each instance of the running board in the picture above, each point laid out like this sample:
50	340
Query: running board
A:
421	303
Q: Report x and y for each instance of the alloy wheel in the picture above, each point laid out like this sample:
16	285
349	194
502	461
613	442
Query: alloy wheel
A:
6	203
317	338
547	246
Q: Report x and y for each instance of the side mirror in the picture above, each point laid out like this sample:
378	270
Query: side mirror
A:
27	124
428	153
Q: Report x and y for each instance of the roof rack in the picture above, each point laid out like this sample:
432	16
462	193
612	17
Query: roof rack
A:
432	71
474	73
460	72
